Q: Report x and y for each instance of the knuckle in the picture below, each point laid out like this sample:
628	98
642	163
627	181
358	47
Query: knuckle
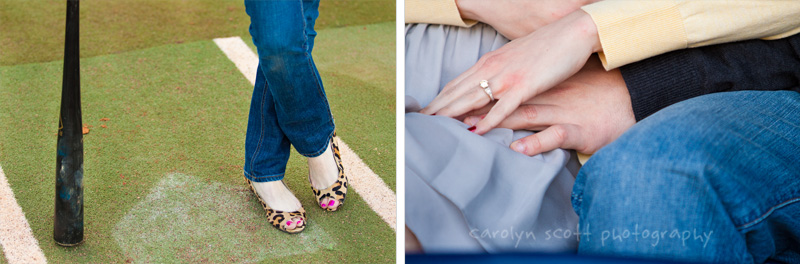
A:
491	60
560	134
529	112
483	59
489	54
536	144
586	149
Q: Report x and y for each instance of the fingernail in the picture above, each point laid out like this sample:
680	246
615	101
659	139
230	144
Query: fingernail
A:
322	204
331	203
471	129
433	114
518	147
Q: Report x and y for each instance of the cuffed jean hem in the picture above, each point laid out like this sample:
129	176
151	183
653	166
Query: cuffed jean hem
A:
321	150
266	178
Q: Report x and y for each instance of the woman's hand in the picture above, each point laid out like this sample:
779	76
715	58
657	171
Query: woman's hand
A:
517	18
586	112
520	70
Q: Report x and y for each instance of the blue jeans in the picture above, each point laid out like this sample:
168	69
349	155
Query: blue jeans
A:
289	106
714	179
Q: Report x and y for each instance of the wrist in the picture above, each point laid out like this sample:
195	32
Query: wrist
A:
467	9
588	29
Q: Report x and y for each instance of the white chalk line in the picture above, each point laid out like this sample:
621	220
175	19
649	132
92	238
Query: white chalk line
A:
369	185
16	237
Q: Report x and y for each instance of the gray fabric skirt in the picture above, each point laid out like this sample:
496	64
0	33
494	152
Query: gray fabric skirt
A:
470	193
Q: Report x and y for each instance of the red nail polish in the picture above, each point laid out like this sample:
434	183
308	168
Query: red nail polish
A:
471	129
433	114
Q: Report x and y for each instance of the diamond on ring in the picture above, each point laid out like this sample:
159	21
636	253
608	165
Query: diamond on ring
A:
486	89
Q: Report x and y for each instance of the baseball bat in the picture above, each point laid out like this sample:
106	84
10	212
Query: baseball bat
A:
68	219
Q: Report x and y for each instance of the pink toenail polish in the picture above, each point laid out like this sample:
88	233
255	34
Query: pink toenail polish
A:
288	223
331	203
322	204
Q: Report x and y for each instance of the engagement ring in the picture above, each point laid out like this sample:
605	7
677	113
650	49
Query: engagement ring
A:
485	85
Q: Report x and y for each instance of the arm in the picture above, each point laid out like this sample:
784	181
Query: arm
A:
517	18
631	31
512	18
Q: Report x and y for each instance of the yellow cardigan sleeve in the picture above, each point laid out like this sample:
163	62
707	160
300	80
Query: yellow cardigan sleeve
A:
435	12
630	31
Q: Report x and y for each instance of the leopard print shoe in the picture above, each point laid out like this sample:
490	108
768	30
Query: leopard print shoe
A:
337	190
277	218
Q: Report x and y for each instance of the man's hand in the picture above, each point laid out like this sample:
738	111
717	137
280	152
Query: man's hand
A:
586	112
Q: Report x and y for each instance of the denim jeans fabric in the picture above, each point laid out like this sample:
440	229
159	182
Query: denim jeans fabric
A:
289	106
715	178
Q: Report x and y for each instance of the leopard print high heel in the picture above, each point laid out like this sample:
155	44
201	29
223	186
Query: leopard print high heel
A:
278	218
338	190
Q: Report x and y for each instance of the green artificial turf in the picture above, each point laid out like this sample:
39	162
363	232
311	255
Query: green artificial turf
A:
177	116
2	257
33	31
